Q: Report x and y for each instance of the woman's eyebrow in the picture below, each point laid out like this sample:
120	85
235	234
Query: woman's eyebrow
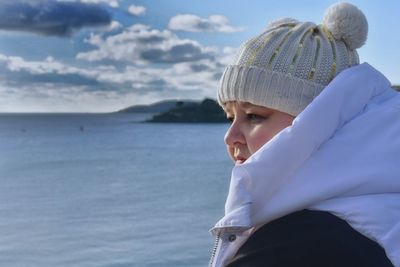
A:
247	105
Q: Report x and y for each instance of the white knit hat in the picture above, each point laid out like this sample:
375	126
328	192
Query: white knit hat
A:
290	63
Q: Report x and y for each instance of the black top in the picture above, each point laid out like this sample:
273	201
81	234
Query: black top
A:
309	238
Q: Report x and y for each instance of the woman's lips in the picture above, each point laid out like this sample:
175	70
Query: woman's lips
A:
239	160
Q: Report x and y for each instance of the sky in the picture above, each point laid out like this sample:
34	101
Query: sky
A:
105	55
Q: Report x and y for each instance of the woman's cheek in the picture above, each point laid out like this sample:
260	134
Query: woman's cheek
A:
230	151
257	141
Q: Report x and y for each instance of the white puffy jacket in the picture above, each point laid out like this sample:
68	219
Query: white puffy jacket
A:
341	154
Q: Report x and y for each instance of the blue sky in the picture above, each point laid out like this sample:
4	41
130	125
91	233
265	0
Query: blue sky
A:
104	55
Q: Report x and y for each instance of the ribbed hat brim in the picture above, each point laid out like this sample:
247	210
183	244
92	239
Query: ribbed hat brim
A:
267	88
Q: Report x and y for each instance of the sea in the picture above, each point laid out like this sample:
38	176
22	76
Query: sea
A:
107	190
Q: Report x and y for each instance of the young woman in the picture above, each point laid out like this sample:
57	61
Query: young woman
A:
315	140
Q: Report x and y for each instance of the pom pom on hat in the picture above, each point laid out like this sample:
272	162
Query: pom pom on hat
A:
346	22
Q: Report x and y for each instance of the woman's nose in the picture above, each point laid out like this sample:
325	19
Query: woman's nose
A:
234	135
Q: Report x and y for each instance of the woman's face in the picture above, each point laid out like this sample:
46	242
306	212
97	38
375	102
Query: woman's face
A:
251	127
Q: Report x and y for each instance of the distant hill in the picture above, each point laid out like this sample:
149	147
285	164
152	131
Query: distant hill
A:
157	107
396	87
207	111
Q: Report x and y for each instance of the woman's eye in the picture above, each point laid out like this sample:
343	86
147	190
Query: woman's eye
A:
254	117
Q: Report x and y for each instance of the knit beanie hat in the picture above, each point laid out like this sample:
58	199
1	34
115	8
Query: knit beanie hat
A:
289	64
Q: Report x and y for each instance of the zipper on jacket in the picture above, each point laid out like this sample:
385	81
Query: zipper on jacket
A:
214	250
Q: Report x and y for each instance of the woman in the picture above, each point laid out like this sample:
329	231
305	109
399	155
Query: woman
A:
314	138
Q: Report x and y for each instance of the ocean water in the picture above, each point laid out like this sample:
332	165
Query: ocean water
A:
105	190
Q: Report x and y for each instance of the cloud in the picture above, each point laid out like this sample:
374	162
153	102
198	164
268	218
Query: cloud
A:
146	65
16	70
137	10
113	26
193	23
26	84
50	86
140	44
189	51
44	98
112	3
50	17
